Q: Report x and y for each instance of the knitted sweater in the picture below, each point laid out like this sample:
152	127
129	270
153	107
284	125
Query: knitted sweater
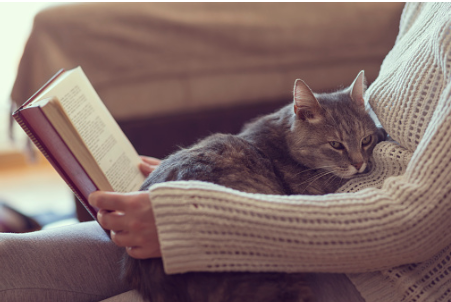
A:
378	224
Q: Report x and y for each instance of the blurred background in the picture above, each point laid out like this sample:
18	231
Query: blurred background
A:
32	187
16	20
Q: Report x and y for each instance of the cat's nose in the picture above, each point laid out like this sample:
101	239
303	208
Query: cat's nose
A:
358	165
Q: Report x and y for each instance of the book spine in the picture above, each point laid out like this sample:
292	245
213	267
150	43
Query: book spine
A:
72	172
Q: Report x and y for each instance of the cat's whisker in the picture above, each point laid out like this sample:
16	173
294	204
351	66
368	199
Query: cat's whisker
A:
317	168
331	179
318	176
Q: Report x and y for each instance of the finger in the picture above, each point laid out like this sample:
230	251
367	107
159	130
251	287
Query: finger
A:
136	252
146	169
126	238
111	220
143	252
108	200
122	238
150	160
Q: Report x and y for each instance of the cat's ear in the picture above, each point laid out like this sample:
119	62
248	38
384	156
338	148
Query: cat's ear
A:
358	88
306	106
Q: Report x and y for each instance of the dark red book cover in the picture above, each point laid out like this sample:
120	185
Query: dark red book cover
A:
49	142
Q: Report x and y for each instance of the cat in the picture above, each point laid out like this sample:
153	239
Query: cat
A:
311	146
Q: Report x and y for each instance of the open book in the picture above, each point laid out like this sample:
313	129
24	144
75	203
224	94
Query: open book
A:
71	126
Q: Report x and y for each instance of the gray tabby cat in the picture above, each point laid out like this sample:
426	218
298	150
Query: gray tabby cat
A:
312	146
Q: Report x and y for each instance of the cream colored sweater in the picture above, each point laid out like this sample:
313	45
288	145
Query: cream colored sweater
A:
378	225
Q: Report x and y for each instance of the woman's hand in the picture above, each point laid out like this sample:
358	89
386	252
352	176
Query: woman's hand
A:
148	164
130	218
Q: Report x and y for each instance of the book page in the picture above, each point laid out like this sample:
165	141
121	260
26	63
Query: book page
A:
110	147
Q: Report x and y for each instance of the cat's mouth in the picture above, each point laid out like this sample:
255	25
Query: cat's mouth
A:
351	171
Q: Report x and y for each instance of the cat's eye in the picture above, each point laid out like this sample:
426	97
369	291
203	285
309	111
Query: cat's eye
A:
367	140
337	145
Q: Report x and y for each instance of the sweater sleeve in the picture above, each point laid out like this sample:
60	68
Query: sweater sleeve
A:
205	227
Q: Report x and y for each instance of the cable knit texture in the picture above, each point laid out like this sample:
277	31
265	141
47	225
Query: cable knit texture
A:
378	224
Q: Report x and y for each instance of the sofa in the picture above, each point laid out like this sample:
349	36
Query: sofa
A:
171	73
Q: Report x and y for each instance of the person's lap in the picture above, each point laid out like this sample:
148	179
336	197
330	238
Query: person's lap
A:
80	263
73	263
